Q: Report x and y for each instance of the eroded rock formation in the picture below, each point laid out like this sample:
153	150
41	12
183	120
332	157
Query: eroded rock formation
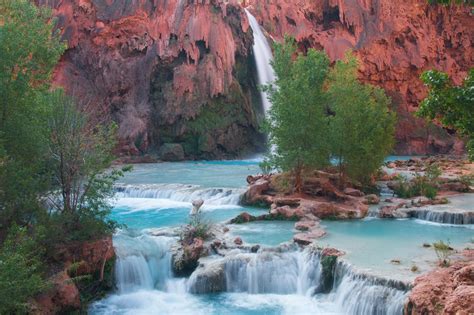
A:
448	290
395	42
166	71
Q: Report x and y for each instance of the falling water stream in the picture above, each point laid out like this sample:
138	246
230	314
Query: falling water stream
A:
263	57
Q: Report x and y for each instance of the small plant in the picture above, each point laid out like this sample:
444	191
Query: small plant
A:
443	251
433	172
198	227
265	167
414	268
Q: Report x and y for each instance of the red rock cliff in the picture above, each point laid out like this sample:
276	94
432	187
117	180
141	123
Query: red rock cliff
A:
166	71
395	42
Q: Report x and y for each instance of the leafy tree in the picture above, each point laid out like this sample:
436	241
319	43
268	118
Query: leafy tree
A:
29	50
361	124
20	271
452	105
81	154
298	124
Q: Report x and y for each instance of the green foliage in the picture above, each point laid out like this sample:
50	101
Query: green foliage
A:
298	124
198	227
318	113
452	105
449	2
80	156
443	251
419	186
20	271
362	126
29	50
266	167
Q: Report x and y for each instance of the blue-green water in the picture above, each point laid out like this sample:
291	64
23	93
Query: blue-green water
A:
160	195
373	243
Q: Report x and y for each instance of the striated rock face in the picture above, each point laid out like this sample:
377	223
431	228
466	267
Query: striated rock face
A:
166	71
445	290
395	42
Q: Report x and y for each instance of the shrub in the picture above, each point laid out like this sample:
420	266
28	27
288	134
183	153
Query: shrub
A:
198	227
20	271
443	251
418	186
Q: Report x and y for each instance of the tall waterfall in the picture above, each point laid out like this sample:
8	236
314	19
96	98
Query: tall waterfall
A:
263	57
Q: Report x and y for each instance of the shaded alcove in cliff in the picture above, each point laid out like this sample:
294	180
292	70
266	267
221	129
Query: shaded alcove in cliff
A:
224	126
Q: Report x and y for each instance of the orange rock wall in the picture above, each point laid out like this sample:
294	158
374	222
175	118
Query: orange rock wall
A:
395	42
154	65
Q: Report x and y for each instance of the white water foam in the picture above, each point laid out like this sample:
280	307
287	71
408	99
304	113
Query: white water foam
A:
182	193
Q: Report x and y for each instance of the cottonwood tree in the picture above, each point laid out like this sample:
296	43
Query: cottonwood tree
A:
361	125
297	124
452	105
29	50
81	155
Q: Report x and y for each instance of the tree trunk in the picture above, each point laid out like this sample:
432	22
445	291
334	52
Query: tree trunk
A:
298	179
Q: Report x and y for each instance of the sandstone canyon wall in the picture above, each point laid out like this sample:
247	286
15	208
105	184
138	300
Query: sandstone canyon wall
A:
167	71
395	42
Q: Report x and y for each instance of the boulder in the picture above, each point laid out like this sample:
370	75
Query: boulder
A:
329	251
308	237
255	192
244	217
304	225
353	192
238	241
445	290
185	259
63	295
171	152
372	199
209	277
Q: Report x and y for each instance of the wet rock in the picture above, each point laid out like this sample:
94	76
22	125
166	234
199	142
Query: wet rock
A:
304	225
197	204
209	277
185	259
329	251
171	152
244	217
286	213
238	241
308	237
353	192
255	194
254	248
372	199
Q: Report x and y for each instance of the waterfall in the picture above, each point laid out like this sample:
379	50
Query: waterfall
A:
180	192
300	273
263	57
358	293
270	272
446	217
143	262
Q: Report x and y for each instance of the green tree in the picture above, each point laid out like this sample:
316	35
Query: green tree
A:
20	271
29	50
297	123
81	155
361	125
452	105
